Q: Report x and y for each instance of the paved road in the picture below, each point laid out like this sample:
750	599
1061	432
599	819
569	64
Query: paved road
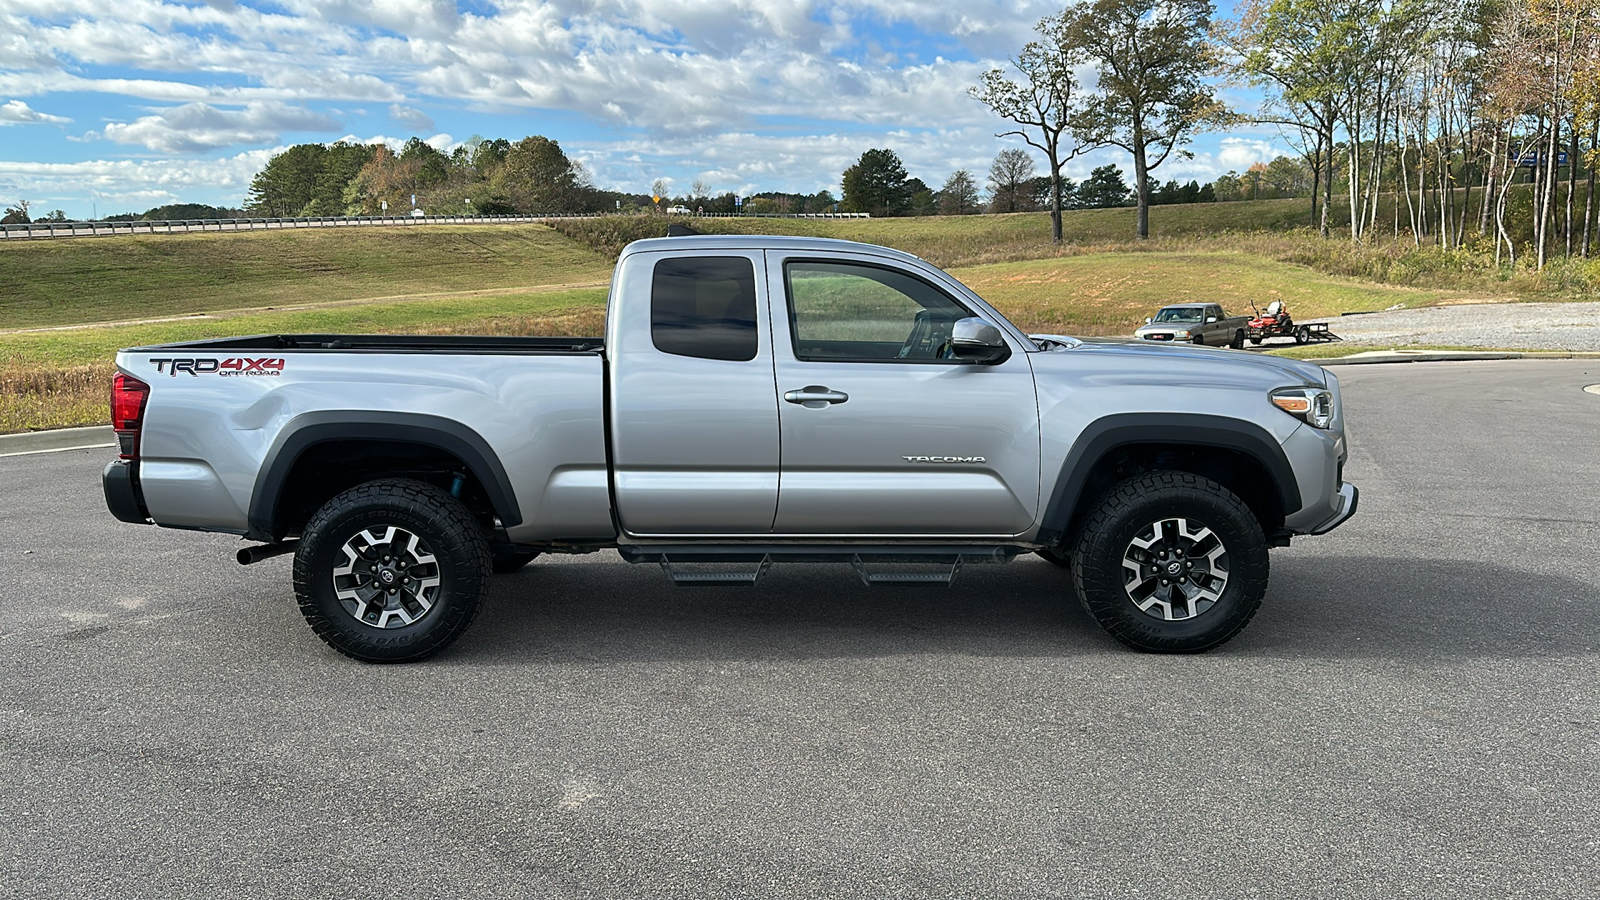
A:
1414	712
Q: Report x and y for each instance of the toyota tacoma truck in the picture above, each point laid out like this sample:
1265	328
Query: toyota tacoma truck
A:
1195	323
755	400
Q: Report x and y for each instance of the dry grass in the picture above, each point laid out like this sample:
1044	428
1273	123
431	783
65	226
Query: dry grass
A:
33	399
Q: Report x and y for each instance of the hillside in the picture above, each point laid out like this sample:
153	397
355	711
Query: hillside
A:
74	281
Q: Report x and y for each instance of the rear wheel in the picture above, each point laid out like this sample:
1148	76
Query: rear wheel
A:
391	571
1238	340
1302	335
1171	562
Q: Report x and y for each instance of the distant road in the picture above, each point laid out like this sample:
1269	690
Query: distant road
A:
36	230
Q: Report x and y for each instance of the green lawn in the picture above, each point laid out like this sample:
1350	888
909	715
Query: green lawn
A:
77	280
1112	293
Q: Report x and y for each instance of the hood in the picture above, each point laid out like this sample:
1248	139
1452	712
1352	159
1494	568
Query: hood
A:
1128	350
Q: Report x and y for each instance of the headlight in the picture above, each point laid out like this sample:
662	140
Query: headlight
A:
1180	334
1312	405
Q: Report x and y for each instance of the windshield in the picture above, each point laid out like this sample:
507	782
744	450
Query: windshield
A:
1179	314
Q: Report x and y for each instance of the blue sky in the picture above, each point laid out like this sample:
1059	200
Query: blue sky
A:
111	106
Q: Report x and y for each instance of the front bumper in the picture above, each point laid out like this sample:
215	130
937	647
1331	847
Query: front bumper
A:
123	497
1348	497
1165	337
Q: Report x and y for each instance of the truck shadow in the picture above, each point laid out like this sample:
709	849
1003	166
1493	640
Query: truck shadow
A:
1341	607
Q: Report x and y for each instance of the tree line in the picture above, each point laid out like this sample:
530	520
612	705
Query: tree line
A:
1442	122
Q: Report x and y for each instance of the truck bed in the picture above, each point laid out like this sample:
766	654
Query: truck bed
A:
395	343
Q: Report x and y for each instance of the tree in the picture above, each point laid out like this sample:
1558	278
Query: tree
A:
1228	188
16	215
1288	176
1152	56
537	177
1103	188
1009	176
876	184
288	182
1042	103
924	202
959	196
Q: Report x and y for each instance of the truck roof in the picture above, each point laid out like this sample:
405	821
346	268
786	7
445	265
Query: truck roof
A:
761	242
1186	305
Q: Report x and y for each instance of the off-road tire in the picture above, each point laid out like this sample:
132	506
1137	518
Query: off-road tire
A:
507	561
452	539
1256	341
1128	511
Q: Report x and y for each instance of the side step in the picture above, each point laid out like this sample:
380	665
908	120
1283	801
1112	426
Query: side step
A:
872	578
716	579
672	559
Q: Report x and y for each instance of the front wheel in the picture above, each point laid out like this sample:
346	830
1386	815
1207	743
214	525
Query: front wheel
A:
1198	340
391	571
1171	562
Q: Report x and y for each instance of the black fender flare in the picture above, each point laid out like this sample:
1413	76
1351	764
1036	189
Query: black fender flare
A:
1105	435
307	430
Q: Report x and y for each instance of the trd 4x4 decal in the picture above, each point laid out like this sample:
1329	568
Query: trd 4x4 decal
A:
266	365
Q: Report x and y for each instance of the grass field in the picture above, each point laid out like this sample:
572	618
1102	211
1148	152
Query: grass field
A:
72	281
520	280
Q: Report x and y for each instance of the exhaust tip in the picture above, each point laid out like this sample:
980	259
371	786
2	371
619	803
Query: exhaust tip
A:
259	552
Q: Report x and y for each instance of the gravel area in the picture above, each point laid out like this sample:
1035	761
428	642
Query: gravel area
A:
1513	326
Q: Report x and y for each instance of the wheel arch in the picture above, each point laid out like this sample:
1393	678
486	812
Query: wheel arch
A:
391	440
1240	455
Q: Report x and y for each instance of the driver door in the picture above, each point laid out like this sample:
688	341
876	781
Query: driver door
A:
882	434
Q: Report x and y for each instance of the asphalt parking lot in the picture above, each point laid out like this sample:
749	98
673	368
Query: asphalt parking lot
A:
1415	711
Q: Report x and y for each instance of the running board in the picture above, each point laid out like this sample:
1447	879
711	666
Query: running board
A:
672	558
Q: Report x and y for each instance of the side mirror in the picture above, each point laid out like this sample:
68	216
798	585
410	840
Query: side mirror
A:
1210	319
1148	320
977	341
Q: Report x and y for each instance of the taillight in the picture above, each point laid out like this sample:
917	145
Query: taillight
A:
128	396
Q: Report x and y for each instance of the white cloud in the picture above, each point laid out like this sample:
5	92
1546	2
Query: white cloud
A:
1239	153
15	112
150	182
410	117
200	127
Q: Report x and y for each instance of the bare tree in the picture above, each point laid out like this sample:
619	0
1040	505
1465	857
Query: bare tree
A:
959	196
1152	57
1009	177
1042	103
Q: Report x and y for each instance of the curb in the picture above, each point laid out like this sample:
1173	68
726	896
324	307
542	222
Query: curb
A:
92	437
1375	357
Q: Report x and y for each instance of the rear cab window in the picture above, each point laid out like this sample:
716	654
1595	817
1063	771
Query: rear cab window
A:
704	307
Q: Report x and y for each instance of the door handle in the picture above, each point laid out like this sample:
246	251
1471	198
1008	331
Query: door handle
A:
815	396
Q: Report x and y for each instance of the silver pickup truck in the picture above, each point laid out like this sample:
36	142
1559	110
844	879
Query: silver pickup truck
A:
755	400
1195	323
